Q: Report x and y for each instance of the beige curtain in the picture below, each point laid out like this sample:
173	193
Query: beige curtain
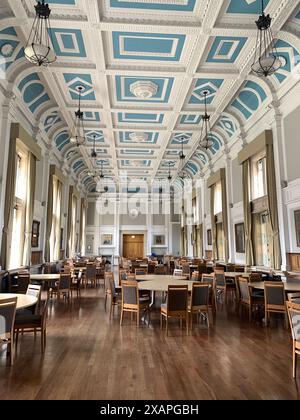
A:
195	250
82	227
213	223
69	224
29	209
56	220
225	216
73	230
49	213
275	251
9	203
247	213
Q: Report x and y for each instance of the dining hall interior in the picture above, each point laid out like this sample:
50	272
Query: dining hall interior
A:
149	199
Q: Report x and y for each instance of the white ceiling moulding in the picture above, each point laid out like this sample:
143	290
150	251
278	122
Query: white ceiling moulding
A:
143	89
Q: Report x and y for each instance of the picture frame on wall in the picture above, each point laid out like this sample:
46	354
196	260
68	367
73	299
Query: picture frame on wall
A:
239	230
209	237
297	226
159	240
107	239
35	234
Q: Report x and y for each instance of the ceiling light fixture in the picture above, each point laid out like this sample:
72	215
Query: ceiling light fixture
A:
94	153
143	89
77	136
206	142
266	59
38	50
169	176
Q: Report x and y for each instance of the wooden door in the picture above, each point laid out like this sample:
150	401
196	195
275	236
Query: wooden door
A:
133	246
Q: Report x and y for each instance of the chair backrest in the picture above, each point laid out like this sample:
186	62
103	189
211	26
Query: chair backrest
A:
255	277
64	282
160	270
196	276
244	290
44	311
122	276
202	268
131	277
230	267
208	278
239	269
23	282
177	272
140	271
34	290
294	318
220	277
7	315
130	293
294	297
151	267
200	294
177	298
91	271
274	293
185	268
112	286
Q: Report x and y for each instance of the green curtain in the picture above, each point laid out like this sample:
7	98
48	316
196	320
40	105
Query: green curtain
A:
275	251
29	209
225	216
9	203
213	223
247	213
49	213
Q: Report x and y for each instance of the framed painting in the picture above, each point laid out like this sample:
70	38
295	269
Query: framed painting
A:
159	240
106	239
297	226
239	230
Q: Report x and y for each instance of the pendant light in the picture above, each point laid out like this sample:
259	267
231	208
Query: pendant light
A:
206	142
266	59
38	50
94	153
169	176
77	136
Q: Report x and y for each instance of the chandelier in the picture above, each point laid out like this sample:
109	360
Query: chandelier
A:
206	142
266	59
77	136
38	50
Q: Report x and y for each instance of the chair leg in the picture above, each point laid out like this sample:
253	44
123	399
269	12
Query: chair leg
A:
294	362
121	317
11	351
167	329
187	322
207	318
138	318
161	321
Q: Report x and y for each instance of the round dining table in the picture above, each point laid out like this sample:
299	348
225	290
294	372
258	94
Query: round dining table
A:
23	301
44	277
159	277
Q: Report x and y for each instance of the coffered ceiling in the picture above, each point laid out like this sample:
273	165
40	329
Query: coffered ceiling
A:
144	65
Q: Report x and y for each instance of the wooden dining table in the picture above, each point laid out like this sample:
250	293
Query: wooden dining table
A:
23	301
289	286
159	277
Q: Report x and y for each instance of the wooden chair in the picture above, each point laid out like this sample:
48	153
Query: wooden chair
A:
76	284
141	271
230	268
107	276
23	281
186	269
255	278
248	299
115	296
7	320
160	269
274	299
122	275
199	304
294	318
90	274
196	276
210	279
131	301
294	297
239	269
176	306
100	271
34	290
33	323
62	287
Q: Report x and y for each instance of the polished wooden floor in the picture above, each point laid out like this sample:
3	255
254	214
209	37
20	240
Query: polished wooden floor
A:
90	357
